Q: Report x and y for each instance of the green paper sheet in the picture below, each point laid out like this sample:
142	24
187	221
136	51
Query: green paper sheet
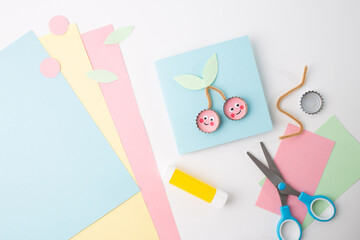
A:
261	183
342	169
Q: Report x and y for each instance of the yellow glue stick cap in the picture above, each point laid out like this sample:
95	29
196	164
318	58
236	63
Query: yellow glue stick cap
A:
195	187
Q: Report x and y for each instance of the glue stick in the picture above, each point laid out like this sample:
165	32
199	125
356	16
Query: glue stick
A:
215	197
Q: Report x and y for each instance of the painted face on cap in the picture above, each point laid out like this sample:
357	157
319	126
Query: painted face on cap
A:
235	108
208	121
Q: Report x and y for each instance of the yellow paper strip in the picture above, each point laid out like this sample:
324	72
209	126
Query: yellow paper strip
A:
131	220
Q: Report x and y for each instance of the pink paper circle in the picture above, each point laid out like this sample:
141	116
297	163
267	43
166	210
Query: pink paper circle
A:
50	67
58	25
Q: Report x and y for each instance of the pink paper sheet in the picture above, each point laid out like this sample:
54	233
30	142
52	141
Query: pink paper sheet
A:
122	105
301	160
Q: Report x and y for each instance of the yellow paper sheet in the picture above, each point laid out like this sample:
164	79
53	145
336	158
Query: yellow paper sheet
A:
130	220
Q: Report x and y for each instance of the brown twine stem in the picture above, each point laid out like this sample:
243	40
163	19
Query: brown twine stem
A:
288	114
219	91
208	94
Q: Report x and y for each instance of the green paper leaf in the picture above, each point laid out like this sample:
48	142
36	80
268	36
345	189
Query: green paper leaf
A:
119	35
191	82
210	70
102	76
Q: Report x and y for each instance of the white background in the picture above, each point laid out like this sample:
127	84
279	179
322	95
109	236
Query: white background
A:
285	36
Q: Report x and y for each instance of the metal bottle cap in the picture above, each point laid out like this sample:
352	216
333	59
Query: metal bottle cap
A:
311	102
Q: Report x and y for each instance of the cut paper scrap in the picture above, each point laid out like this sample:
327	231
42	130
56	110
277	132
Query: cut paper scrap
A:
58	174
71	53
237	76
102	76
58	25
50	67
342	169
301	160
119	35
122	104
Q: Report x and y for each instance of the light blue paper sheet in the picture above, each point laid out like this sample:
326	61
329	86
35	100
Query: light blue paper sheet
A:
58	174
237	76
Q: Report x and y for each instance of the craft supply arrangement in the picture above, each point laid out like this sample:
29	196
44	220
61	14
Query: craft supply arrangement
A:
87	169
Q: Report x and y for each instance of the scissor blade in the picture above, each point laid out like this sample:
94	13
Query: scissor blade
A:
274	179
270	161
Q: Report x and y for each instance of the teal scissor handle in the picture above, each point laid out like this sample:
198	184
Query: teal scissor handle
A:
286	219
309	202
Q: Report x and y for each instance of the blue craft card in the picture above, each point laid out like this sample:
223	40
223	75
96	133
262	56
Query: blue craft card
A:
237	76
58	174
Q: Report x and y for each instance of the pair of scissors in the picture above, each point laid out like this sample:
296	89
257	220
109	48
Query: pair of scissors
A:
284	189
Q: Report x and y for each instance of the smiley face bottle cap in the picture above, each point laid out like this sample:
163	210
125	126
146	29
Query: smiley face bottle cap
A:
311	102
235	108
208	121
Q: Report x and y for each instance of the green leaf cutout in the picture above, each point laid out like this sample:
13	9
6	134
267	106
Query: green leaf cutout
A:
102	76
191	82
194	82
210	70
119	35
